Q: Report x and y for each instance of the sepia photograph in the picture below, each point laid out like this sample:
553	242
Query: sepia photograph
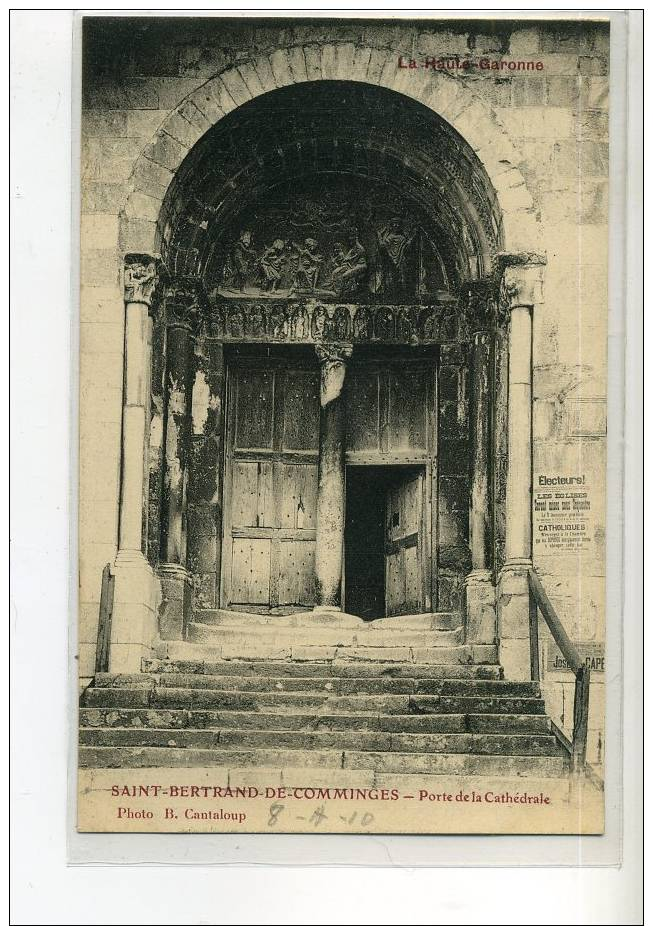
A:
343	425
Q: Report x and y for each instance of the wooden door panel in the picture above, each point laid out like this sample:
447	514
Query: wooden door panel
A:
301	410
254	394
395	586
253	495
244	509
407	410
271	461
297	572
410	507
250	571
403	549
363	410
390	411
413	575
267	515
299	496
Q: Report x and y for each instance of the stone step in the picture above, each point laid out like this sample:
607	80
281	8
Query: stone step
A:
177	718
192	698
337	668
287	637
313	685
477	654
312	620
362	741
383	763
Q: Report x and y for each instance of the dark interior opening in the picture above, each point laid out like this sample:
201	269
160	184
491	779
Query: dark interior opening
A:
365	537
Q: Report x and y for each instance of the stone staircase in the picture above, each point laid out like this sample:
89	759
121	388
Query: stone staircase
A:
398	696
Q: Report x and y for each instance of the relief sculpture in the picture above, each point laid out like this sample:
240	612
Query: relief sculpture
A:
300	321
367	247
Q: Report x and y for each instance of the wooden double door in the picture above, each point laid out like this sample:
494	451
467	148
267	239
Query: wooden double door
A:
271	475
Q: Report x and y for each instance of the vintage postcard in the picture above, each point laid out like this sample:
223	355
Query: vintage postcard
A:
343	425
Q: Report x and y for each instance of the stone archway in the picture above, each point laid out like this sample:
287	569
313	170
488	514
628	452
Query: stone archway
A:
149	212
208	104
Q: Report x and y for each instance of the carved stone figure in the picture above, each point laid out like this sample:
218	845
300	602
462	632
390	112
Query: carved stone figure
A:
239	262
272	263
406	326
277	322
348	267
236	321
428	324
448	323
319	322
299	326
307	270
384	323
363	328
341	324
394	243
256	321
217	324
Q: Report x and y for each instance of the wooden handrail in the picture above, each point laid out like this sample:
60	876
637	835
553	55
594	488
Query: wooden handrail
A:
540	601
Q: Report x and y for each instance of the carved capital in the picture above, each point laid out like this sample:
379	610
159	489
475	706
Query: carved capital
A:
182	302
480	305
141	277
521	286
333	353
333	366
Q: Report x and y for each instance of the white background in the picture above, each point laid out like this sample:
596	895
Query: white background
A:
46	888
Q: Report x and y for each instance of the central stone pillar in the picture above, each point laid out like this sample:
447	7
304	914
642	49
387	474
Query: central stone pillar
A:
330	532
479	590
181	308
522	291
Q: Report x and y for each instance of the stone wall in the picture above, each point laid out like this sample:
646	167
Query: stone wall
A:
138	72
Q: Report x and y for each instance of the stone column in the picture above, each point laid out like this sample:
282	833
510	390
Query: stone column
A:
204	502
133	625
479	590
181	307
331	476
521	291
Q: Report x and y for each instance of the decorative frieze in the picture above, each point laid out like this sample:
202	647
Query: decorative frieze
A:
314	322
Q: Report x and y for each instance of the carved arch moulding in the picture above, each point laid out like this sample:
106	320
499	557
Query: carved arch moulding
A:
451	100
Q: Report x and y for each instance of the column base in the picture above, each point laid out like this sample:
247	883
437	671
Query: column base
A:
175	611
136	598
513	597
480	608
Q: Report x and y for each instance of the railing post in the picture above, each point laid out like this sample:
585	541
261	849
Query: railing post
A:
534	637
104	623
581	715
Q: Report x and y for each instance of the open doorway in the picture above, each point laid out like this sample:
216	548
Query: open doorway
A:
383	541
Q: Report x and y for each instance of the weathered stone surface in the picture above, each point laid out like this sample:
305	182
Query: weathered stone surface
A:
452	764
441	704
125	697
342	668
